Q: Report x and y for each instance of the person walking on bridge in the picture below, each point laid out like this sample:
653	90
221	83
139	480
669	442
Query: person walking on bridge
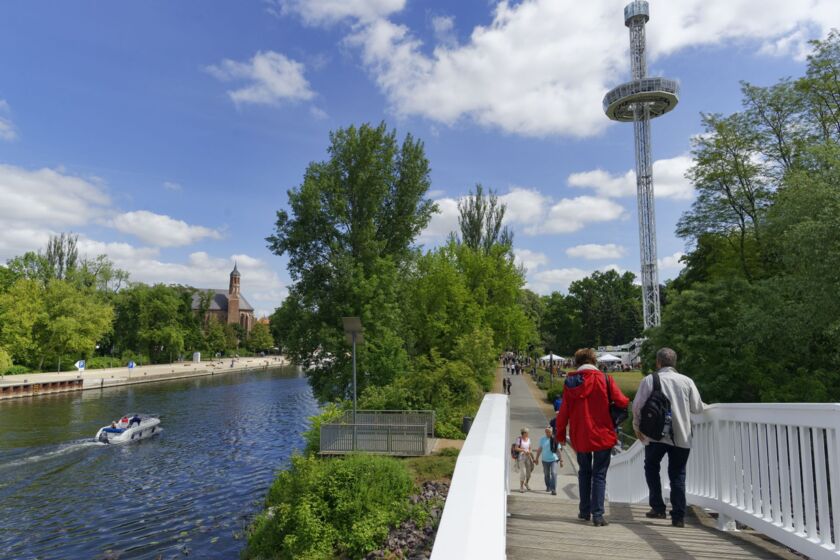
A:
675	441
586	409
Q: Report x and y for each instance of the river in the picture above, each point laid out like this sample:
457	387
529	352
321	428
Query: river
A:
189	491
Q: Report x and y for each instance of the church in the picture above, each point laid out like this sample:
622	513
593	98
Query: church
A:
228	306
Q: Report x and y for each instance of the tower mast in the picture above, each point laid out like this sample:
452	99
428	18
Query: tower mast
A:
639	101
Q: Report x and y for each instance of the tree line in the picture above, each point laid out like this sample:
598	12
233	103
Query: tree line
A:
57	308
755	313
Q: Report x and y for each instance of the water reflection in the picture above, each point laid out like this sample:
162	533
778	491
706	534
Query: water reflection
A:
188	491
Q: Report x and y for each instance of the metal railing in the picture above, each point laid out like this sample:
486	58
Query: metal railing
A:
772	467
474	519
394	418
337	439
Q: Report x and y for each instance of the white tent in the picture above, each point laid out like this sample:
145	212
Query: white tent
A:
550	357
609	358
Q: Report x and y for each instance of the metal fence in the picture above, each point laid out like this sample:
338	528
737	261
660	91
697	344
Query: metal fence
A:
390	439
393	418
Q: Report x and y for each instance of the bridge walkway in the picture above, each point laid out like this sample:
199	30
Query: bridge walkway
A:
542	526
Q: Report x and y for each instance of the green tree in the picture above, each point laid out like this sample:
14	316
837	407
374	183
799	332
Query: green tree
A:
560	327
352	225
215	337
5	360
480	220
608	305
21	308
260	338
71	324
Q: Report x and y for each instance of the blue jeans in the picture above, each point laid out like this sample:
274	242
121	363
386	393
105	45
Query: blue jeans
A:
677	459
592	481
550	474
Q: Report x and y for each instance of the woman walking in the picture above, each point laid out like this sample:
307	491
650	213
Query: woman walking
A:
524	459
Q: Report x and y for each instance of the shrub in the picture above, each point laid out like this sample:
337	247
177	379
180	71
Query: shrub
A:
5	361
17	370
103	362
330	412
556	390
320	509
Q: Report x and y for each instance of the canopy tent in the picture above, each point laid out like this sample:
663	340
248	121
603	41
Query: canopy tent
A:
550	357
609	358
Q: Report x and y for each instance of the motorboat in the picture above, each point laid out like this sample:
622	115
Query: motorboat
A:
131	427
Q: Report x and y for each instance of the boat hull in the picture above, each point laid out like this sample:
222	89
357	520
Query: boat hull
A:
148	427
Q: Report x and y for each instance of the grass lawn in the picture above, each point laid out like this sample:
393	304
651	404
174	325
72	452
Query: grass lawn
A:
433	467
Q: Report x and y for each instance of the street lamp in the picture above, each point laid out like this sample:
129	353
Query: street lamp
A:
353	329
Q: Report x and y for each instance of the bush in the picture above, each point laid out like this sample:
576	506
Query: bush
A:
555	391
330	412
139	359
5	361
320	509
103	362
17	370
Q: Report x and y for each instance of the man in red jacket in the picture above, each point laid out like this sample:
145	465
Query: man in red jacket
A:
586	409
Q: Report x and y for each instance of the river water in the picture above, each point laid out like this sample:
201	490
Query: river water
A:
188	492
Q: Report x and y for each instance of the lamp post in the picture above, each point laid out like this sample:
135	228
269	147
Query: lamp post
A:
353	330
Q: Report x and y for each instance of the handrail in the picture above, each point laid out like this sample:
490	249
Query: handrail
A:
768	466
473	524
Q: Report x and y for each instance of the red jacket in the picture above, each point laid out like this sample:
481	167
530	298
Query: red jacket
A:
586	410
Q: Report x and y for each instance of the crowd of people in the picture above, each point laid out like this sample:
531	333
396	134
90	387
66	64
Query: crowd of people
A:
591	409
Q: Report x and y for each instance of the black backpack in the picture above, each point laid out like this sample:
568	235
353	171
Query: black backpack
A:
652	421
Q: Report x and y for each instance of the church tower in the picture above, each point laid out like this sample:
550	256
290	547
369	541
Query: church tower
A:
233	297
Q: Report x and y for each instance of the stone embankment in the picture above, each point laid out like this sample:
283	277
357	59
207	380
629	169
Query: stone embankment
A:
37	384
410	541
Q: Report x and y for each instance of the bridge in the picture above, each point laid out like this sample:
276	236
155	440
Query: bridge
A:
763	480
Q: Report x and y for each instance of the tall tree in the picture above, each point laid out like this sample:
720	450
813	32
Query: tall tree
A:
609	307
480	220
351	227
731	183
62	255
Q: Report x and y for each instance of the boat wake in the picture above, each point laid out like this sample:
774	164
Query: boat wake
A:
58	451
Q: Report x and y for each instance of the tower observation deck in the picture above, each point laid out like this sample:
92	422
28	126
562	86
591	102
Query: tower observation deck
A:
638	101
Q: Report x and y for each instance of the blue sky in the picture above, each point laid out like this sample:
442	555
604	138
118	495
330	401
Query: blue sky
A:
167	133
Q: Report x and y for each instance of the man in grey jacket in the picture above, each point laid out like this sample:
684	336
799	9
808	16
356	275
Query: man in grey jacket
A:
685	400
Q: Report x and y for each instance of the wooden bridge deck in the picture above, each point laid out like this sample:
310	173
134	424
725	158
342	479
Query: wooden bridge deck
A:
542	526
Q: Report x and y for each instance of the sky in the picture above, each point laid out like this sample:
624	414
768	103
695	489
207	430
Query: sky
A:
167	134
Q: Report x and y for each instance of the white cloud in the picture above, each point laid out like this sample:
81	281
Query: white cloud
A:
161	230
519	74
260	284
172	186
593	251
328	12
556	279
444	222
444	29
7	127
318	113
531	260
269	77
572	214
669	180
524	206
48	197
671	263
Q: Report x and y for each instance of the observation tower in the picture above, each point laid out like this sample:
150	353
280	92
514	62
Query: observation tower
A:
638	101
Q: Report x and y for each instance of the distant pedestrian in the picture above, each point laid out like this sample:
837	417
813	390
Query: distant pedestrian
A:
558	400
524	459
675	442
586	410
550	456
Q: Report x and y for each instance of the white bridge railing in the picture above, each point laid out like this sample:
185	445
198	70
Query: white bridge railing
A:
772	467
474	520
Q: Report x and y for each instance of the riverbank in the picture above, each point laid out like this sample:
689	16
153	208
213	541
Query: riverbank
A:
38	384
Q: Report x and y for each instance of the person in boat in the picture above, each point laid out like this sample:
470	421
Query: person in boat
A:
113	429
134	420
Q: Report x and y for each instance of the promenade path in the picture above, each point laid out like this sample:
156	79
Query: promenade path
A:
122	375
542	526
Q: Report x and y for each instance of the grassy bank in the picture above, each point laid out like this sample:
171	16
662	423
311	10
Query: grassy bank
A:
322	509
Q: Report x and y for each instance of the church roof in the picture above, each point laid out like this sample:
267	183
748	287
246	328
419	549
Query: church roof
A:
235	271
219	301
